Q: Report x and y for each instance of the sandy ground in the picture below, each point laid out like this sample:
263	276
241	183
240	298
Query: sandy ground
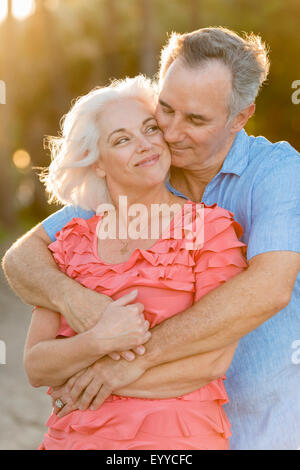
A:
23	410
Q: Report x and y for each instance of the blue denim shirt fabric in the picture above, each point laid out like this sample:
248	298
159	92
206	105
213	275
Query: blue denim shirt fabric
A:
260	183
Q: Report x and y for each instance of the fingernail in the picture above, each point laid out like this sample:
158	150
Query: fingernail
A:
129	356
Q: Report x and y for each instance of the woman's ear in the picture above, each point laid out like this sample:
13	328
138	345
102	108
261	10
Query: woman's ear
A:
98	170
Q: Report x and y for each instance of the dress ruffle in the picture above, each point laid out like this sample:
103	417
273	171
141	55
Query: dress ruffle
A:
75	251
169	265
124	418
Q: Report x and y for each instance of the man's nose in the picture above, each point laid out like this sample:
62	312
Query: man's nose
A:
173	131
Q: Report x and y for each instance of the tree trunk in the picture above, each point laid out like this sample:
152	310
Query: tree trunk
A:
147	51
195	15
7	180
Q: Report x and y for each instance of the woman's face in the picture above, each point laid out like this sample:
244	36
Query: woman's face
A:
132	150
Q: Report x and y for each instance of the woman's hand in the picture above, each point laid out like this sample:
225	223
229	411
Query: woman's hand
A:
92	386
122	327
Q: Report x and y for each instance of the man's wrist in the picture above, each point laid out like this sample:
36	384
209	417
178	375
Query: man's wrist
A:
66	290
148	360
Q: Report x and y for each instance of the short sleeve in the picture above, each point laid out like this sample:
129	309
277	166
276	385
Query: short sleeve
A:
222	255
275	221
55	222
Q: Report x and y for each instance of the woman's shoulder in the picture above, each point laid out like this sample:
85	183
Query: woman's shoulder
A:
74	239
77	226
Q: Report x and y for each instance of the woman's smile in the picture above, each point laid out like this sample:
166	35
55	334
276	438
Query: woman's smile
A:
149	161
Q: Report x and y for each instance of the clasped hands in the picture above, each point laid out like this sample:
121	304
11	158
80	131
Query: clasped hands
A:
124	329
93	385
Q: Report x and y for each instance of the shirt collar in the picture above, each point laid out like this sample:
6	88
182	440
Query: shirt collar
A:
238	156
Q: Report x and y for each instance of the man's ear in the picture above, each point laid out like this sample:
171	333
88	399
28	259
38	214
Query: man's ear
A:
242	118
98	170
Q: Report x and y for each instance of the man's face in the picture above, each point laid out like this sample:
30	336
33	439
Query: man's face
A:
193	113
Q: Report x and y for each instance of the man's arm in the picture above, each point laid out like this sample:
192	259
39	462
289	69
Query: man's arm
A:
249	299
214	323
229	312
182	376
164	381
34	276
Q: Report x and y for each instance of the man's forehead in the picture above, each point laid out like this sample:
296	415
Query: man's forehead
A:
208	71
182	83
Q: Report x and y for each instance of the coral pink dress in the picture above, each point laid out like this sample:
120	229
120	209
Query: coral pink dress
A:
169	278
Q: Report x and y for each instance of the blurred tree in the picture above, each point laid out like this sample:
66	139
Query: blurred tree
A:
69	46
195	14
147	51
111	39
8	129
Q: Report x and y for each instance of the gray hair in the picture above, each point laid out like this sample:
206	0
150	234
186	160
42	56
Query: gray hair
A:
246	58
70	178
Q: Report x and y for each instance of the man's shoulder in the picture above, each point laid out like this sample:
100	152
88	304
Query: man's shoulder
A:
262	147
266	156
60	218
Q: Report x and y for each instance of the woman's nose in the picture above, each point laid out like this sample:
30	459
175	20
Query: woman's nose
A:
144	144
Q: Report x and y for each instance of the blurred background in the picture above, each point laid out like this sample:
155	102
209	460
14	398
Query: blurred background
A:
52	51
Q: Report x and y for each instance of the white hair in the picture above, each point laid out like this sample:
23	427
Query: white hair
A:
70	178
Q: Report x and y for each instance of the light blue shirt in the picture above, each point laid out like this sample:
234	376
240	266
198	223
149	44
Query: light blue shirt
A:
260	183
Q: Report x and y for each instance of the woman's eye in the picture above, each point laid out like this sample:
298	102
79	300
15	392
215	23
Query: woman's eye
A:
121	141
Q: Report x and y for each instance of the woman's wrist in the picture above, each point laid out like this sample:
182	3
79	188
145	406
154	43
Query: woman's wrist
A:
100	346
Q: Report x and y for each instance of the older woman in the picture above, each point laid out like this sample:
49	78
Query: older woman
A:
111	147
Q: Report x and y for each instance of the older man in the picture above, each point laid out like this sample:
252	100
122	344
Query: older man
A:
209	80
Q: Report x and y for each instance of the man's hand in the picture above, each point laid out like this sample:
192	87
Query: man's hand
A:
91	387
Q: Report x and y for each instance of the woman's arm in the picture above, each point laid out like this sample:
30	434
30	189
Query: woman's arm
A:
50	361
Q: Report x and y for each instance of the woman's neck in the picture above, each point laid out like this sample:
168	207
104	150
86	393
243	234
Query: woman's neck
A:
158	194
148	201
